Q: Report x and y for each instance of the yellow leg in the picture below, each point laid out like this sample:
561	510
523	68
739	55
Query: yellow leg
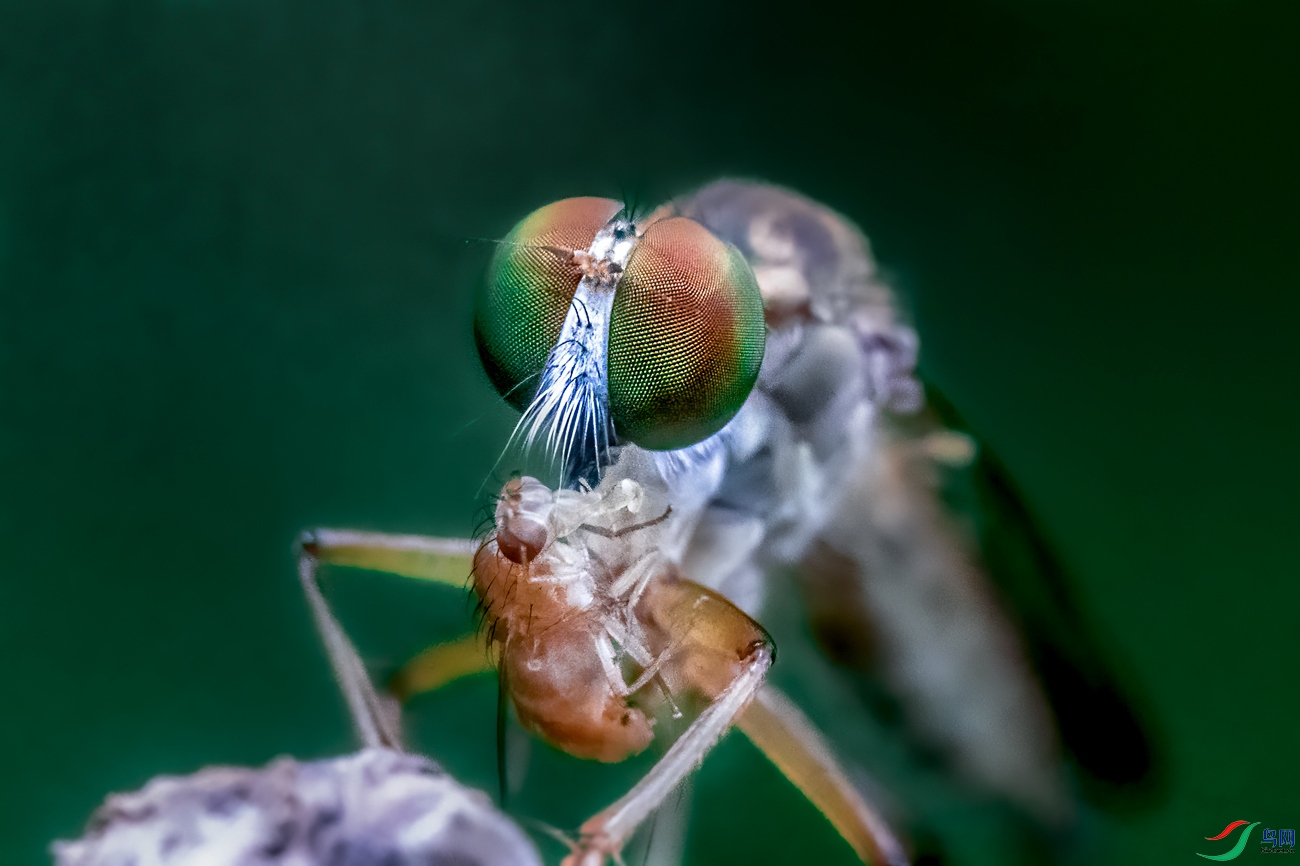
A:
442	560
783	733
439	665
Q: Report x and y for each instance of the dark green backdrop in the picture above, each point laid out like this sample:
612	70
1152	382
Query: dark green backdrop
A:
235	300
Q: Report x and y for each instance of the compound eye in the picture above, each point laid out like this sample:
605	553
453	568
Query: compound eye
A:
521	305
686	337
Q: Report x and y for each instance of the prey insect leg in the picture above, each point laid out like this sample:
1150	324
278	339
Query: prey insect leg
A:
651	665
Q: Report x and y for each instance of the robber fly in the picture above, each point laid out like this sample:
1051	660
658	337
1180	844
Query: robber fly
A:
725	390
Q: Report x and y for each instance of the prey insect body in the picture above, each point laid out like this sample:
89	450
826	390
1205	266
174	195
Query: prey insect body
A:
575	589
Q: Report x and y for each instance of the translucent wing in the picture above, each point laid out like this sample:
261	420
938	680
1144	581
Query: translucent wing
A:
1099	726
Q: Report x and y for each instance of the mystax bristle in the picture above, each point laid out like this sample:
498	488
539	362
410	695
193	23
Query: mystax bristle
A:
686	337
528	288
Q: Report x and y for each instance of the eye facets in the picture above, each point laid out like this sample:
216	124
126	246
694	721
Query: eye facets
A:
529	284
686	337
685	328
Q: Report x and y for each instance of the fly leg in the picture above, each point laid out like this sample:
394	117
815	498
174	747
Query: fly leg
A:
442	560
705	645
375	719
788	738
440	664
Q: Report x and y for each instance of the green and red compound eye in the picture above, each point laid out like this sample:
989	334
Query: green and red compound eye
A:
686	331
525	296
686	337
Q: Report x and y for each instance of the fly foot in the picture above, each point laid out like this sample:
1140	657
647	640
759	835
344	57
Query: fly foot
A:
592	850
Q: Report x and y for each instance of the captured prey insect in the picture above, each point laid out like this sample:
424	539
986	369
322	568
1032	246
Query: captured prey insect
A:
727	391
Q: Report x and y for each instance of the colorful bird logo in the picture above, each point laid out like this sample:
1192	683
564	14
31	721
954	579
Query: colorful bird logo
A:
1234	852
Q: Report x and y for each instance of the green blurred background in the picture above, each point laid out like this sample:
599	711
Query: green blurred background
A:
235	298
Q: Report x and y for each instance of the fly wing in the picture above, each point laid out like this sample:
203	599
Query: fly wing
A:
894	566
1101	730
934	586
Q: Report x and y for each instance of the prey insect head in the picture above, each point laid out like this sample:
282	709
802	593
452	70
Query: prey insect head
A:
605	332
